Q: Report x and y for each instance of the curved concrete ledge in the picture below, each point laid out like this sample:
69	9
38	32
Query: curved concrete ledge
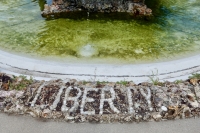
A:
171	70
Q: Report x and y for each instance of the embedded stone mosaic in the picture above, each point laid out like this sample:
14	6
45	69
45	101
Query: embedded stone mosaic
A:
100	102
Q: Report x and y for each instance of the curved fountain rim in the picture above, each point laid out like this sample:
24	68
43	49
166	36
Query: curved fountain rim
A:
170	70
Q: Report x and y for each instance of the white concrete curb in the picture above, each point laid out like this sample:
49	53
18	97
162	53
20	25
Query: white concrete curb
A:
171	70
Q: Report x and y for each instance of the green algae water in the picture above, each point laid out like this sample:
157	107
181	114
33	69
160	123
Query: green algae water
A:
173	32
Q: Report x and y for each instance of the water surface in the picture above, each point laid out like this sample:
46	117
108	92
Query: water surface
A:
172	33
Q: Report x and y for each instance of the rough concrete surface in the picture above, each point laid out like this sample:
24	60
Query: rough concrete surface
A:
25	124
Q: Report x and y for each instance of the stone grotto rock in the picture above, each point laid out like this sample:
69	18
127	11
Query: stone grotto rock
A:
58	7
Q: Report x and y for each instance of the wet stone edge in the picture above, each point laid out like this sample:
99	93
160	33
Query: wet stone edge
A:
77	101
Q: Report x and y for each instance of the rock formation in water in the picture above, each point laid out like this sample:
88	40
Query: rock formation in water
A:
135	7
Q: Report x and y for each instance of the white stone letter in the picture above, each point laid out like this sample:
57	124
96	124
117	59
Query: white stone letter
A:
130	102
37	94
57	98
87	99
147	97
109	100
64	108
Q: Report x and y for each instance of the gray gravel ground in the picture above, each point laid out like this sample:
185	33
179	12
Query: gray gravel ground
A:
25	124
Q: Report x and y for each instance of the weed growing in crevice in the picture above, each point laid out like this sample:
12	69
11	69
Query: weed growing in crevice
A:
195	76
20	82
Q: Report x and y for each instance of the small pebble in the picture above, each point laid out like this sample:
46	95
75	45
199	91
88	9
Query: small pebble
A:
164	108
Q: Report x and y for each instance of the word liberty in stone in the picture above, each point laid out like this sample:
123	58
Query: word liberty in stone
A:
80	97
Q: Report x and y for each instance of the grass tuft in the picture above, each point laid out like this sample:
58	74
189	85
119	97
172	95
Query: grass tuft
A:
195	76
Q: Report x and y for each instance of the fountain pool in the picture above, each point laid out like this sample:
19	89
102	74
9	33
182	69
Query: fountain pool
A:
118	38
100	38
